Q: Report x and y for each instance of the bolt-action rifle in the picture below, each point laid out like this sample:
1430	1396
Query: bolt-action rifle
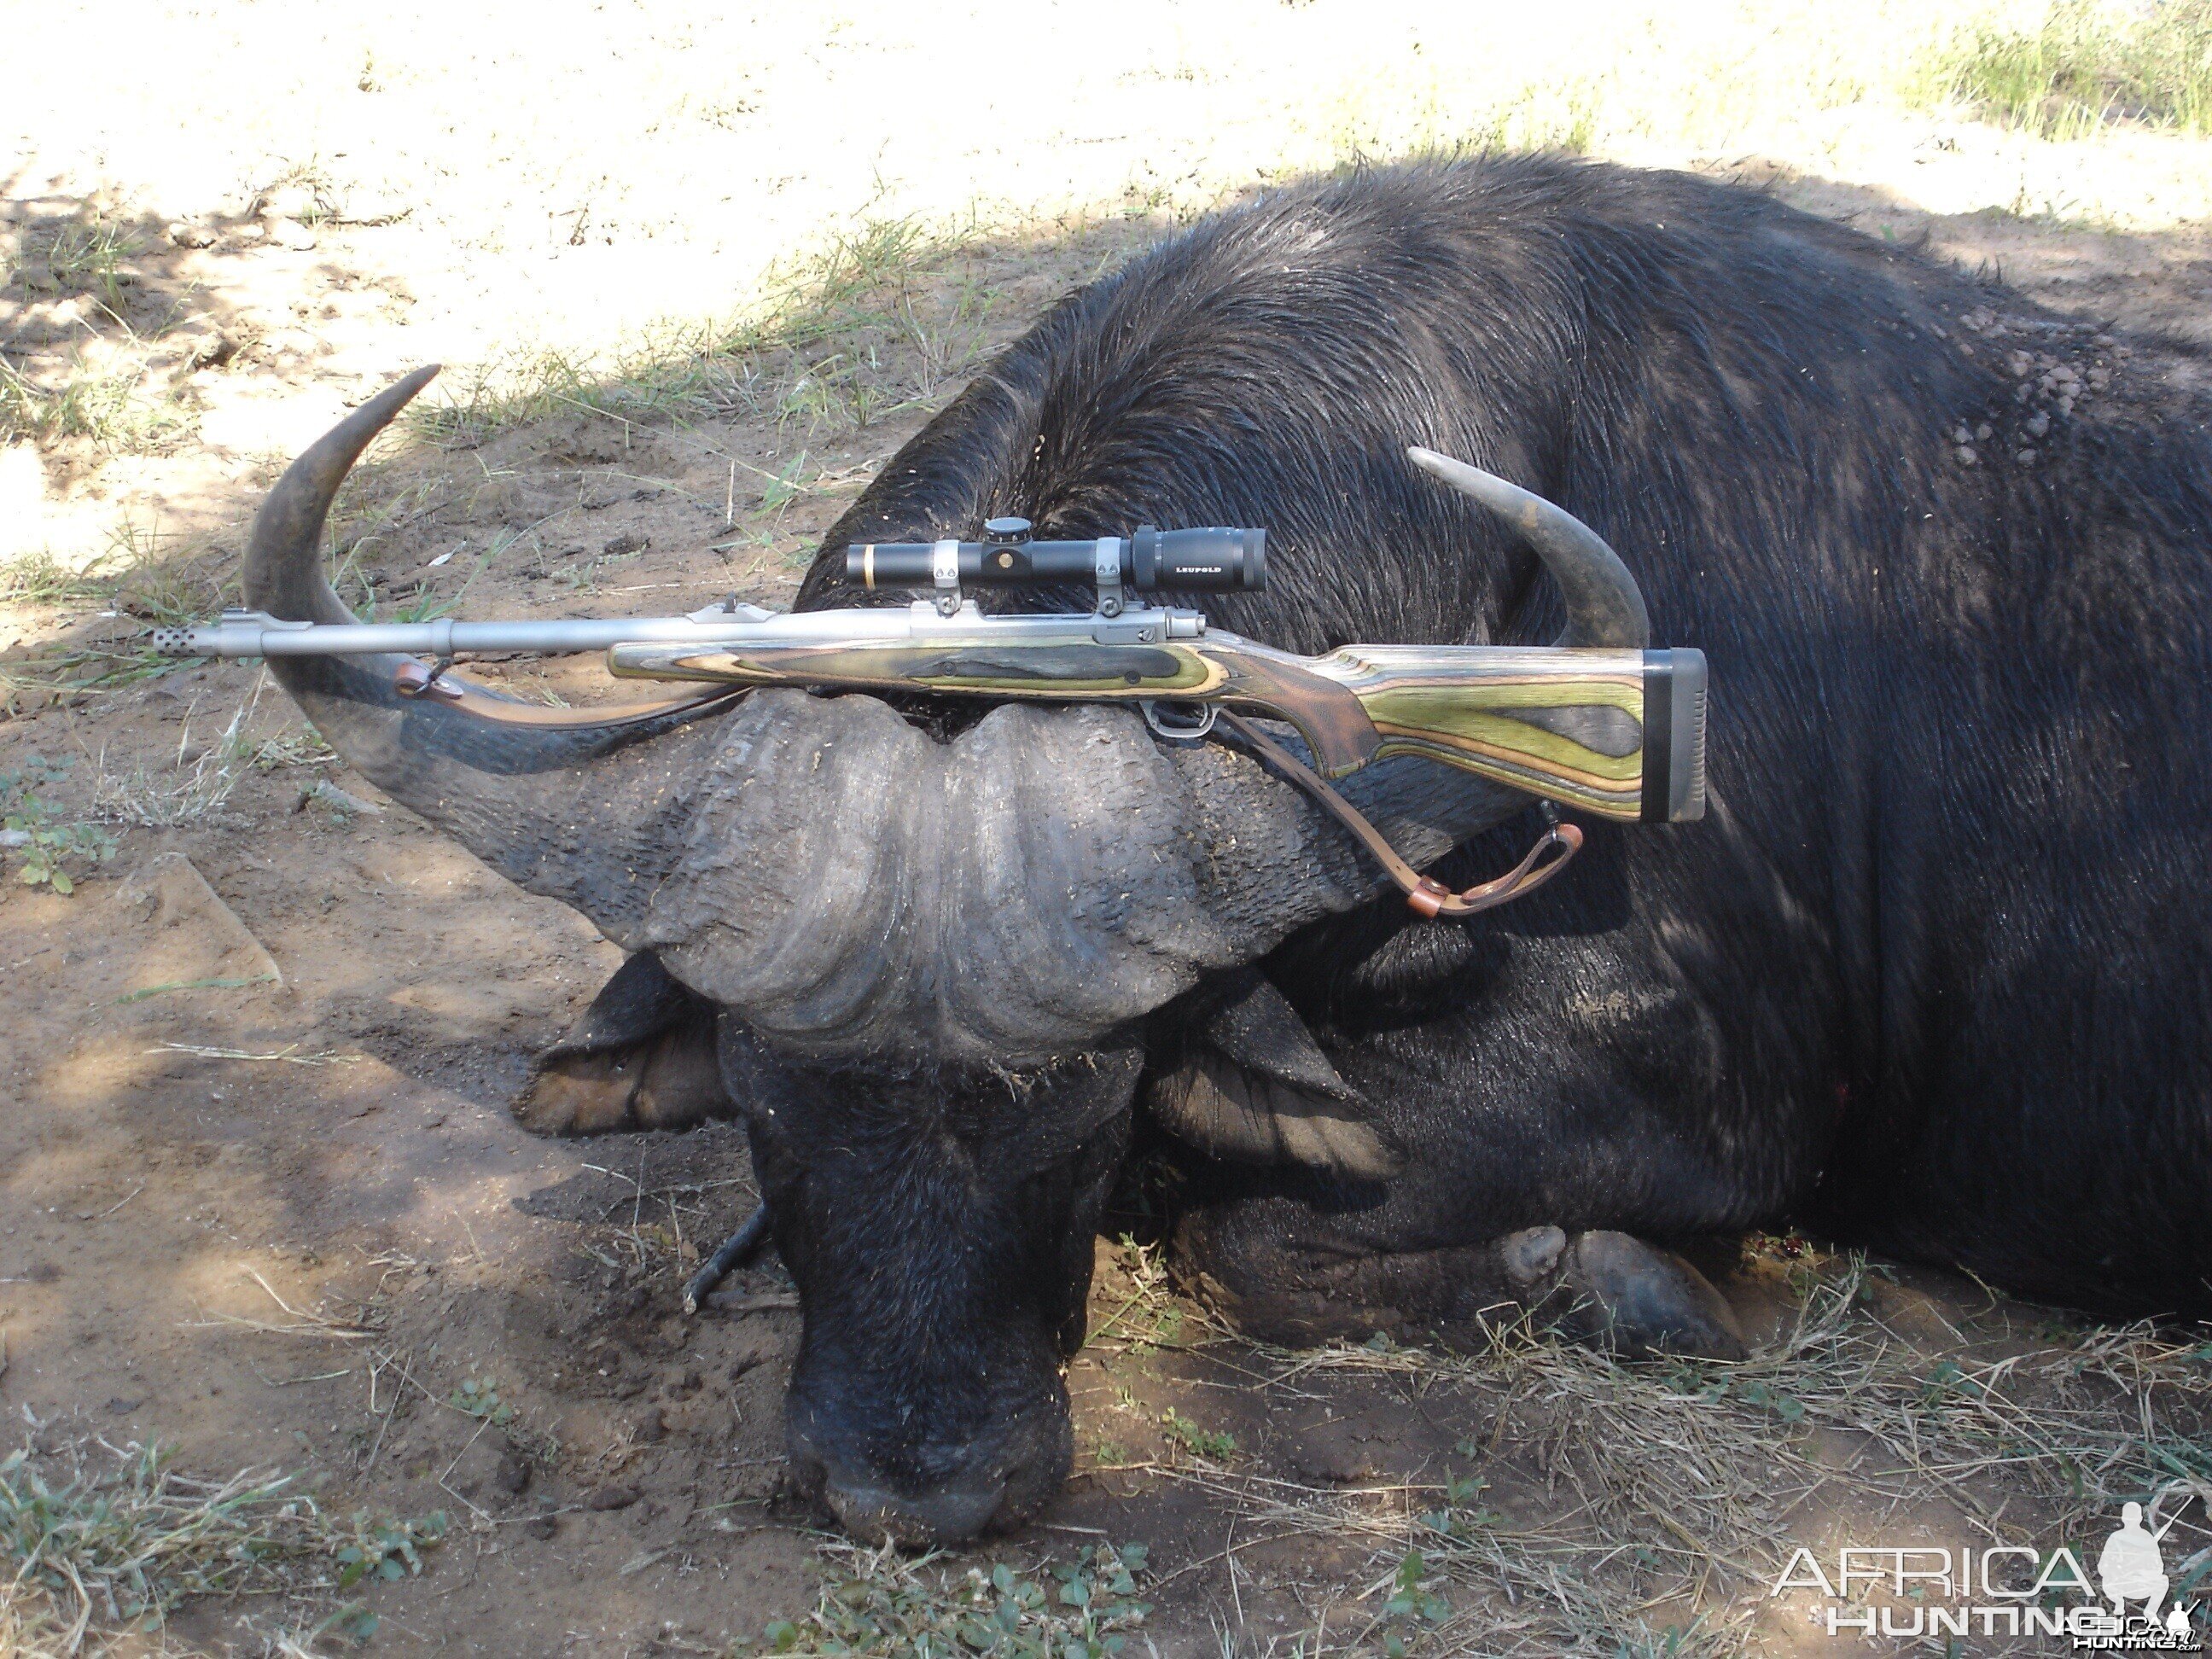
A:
1619	732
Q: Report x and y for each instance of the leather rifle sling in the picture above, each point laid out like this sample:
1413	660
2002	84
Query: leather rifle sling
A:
1425	894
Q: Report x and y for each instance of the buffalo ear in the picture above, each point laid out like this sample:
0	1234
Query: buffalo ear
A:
641	1057
1256	1088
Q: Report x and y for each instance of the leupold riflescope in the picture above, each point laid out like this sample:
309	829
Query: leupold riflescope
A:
1215	560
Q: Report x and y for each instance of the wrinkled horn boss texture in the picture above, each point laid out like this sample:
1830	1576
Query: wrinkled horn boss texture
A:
857	888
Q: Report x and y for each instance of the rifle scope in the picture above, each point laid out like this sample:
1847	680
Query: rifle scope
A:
1216	560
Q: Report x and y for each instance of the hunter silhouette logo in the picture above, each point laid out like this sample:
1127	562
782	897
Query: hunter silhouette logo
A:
2130	1567
2006	1590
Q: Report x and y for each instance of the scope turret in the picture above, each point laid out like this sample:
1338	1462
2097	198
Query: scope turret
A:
1214	560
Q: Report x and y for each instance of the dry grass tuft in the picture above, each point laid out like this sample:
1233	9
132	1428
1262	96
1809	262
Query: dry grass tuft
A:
102	1541
1633	1509
198	783
28	1629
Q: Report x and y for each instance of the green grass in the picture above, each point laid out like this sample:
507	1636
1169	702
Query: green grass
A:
111	390
142	574
88	259
869	326
112	408
1563	117
2085	66
38	578
1151	1315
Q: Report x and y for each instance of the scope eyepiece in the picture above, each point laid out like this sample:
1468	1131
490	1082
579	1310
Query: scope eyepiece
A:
1211	560
1217	559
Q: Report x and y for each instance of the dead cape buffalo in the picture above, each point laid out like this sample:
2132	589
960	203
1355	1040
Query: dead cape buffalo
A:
1932	975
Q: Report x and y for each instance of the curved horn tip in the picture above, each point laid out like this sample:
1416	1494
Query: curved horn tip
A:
1500	494
378	411
1604	605
345	441
283	574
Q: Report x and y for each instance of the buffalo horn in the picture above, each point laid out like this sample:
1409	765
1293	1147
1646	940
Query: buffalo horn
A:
283	574
1604	607
588	814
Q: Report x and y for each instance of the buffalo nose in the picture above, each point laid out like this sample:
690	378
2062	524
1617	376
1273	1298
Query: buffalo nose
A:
951	1515
992	1483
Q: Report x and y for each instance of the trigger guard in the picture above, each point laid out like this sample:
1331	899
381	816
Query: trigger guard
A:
1175	731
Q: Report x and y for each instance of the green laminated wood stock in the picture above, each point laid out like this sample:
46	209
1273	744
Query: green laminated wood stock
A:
1616	733
1571	725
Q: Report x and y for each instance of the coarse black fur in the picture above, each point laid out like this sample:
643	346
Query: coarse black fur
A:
1934	973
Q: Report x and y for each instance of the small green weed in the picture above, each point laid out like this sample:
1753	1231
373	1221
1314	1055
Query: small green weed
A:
1219	1445
45	845
387	1549
303	747
1769	1397
882	1606
1689	1382
1151	1317
1949	1381
480	1398
1461	1515
1166	1328
1410	1597
1107	1453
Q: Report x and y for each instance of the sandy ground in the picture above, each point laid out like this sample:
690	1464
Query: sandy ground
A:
367	188
260	1198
